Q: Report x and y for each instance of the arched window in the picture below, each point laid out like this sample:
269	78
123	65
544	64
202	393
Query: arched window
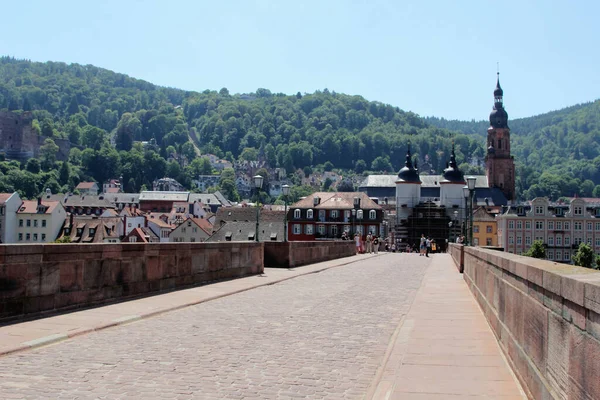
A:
309	214
372	214
297	213
359	214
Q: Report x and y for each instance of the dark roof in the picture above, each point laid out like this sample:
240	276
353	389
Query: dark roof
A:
494	197
452	174
271	226
84	200
498	116
408	173
339	200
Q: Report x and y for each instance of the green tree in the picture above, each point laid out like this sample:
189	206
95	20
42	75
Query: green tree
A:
64	173
345	186
188	151
48	152
328	166
360	166
584	256
537	250
129	129
33	165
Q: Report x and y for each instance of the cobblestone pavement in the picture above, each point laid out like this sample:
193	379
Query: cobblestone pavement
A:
319	336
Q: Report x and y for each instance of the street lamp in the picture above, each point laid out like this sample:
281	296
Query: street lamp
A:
353	218
286	192
466	224
258	181
470	193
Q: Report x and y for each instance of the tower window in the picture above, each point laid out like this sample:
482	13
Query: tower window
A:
499	143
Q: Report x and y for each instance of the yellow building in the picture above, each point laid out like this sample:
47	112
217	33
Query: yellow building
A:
485	229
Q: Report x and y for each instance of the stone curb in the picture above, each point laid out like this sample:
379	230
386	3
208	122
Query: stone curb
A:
59	337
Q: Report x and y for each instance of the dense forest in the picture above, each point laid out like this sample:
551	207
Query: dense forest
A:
556	154
106	116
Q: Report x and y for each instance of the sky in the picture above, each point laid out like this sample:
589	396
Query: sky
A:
434	58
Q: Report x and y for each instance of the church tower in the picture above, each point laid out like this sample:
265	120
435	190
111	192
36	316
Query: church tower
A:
500	165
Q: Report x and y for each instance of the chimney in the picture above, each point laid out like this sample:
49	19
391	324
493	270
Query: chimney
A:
71	220
39	201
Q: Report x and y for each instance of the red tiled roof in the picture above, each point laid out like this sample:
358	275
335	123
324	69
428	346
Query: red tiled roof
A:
113	190
4	197
30	207
203	224
340	201
85	185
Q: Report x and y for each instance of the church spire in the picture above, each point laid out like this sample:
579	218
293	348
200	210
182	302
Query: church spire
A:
409	173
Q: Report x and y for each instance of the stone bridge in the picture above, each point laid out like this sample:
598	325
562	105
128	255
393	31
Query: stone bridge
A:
326	326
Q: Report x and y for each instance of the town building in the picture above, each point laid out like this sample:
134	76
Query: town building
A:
327	215
92	230
236	224
161	201
560	226
83	204
485	228
112	186
191	230
141	235
9	205
132	218
122	200
435	205
88	188
39	221
206	181
160	225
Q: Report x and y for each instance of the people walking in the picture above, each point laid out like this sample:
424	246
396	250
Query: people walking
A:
369	243
427	246
357	242
376	244
422	245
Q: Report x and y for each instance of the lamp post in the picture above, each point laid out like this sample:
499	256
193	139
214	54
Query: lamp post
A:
455	222
469	192
258	181
466	225
353	218
286	192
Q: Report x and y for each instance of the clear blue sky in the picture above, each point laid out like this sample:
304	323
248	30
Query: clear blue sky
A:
430	57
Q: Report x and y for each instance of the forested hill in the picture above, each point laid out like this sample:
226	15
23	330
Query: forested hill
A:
104	114
557	153
107	112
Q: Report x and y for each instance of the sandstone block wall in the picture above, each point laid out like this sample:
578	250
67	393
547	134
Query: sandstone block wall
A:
41	278
546	317
295	254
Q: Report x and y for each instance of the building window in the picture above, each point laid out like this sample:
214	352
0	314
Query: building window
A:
21	223
578	210
567	256
129	225
597	226
334	230
567	226
43	237
519	224
576	241
309	214
20	236
347	228
28	236
519	240
309	229
321	229
558	226
589	241
576	225
511	224
297	229
551	225
489	228
475	228
297	213
528	240
597	242
373	229
558	211
528	225
488	241
334	213
35	237
43	223
475	241
558	255
511	240
372	214
539	225
589	226
559	240
359	214
539	210
550	241
550	255
28	222
35	223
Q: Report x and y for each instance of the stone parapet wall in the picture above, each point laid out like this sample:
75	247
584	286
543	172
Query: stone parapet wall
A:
36	279
295	254
457	253
546	317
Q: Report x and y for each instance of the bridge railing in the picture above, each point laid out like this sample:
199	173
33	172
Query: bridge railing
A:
546	317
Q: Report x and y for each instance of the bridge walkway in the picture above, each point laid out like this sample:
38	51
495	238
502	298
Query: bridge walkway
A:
393	326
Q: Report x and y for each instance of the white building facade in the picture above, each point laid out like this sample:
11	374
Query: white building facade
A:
9	205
